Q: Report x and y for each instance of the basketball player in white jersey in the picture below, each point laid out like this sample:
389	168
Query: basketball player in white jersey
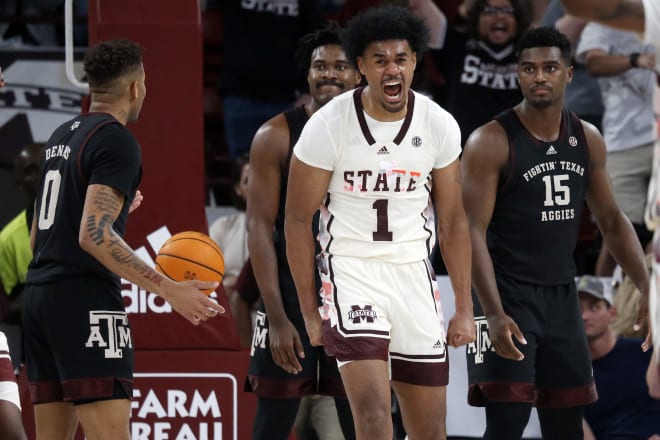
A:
376	160
639	16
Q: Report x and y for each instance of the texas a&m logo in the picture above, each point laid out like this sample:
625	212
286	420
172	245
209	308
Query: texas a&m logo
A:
109	329
482	343
365	313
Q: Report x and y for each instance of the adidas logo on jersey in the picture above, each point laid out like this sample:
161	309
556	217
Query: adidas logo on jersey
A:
383	150
439	344
550	151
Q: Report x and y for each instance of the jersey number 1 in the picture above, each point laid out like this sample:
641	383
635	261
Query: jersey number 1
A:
51	191
382	223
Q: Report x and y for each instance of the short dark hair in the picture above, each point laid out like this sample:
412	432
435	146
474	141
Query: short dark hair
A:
328	34
109	60
384	23
522	13
545	36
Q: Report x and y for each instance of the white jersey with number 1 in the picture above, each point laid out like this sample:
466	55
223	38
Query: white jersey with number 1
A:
378	203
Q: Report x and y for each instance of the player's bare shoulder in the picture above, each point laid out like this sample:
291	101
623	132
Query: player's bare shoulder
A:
271	140
489	143
595	143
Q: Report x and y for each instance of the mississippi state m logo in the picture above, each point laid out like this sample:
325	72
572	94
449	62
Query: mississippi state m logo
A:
358	314
109	330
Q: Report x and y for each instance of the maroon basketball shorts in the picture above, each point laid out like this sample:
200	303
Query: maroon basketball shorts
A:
556	371
78	341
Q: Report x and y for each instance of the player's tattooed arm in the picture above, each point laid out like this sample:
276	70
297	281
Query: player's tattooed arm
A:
97	236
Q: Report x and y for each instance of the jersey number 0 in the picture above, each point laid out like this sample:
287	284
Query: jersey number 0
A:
51	191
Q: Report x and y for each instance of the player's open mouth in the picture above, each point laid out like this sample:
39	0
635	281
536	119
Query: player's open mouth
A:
392	90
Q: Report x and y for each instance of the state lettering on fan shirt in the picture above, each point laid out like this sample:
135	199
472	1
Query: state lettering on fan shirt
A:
490	75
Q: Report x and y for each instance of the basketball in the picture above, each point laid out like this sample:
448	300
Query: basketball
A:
191	255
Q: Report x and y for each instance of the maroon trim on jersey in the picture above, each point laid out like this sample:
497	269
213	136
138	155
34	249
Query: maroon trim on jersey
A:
294	388
430	374
328	226
563	129
356	348
45	391
84	144
429	247
6	368
357	102
510	166
408	119
566	397
582	137
281	388
430	273
506	121
89	388
359	110
510	121
481	393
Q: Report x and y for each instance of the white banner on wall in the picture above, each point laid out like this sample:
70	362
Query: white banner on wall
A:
458	410
37	98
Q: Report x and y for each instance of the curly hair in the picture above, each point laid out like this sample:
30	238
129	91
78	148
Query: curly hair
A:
522	13
384	23
109	60
330	34
545	36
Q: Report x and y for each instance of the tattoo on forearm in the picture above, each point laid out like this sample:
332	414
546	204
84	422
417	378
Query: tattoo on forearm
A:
96	229
125	256
108	203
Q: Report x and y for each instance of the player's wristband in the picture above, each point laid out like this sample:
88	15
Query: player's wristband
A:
634	57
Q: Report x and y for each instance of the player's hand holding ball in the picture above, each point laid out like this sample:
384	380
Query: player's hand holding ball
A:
196	262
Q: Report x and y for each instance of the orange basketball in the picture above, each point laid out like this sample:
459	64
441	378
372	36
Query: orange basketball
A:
191	255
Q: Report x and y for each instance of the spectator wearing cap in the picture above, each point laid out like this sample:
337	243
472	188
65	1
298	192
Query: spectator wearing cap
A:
624	408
